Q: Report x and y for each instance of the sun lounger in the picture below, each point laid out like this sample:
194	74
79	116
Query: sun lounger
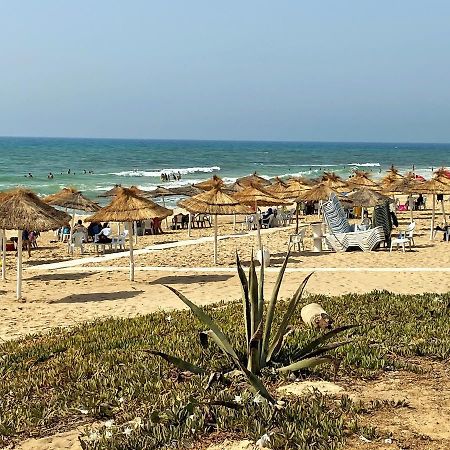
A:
341	235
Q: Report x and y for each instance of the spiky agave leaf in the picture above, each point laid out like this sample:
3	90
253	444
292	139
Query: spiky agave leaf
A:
224	344
316	343
254	350
308	363
178	362
245	299
207	320
295	300
271	311
253	295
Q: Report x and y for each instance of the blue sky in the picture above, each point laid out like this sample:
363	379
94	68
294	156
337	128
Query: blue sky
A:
287	70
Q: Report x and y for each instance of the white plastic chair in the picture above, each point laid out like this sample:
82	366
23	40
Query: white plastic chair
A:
405	238
77	242
120	240
297	239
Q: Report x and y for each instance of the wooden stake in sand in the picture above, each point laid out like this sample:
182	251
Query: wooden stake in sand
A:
3	255
130	235
19	265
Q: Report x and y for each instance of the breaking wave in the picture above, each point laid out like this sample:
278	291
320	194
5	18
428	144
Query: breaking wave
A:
157	173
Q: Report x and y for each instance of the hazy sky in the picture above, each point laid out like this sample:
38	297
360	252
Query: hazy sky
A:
290	70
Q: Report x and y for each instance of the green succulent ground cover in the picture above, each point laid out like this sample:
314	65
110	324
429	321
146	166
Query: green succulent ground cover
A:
100	374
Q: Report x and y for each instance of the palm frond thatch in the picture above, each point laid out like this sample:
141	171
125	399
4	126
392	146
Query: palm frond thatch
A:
127	206
214	201
321	191
71	198
367	198
253	179
255	194
21	209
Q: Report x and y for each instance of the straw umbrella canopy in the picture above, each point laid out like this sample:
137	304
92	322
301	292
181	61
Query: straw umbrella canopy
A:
320	193
362	179
392	175
160	191
367	198
187	191
296	187
214	202
209	184
111	192
253	179
442	175
434	186
70	198
128	207
21	210
254	195
317	193
277	188
334	181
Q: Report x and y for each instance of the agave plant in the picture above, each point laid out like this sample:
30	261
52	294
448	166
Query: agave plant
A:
262	348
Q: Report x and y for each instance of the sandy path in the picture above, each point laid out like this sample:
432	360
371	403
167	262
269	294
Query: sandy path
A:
65	298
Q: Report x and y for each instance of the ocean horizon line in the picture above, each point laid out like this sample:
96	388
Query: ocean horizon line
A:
286	141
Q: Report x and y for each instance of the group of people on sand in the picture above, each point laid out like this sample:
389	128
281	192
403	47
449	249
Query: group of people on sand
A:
170	176
94	232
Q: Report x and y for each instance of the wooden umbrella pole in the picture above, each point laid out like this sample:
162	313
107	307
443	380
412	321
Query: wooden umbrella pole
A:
234	222
297	206
19	265
215	238
3	255
164	204
71	231
130	234
411	207
189	224
135	232
443	212
258	226
433	218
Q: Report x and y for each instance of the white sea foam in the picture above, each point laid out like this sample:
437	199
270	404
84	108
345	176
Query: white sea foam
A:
369	164
157	173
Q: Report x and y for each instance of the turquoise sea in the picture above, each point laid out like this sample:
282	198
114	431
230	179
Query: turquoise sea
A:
140	162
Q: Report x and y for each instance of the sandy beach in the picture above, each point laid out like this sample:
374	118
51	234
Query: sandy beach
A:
95	287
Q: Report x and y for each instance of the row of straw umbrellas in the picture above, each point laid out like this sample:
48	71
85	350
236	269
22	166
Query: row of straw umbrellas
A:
23	210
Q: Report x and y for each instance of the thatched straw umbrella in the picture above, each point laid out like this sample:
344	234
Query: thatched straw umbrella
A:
23	210
296	187
186	191
334	181
214	202
367	198
162	192
253	179
112	192
317	193
434	187
254	195
209	184
127	207
407	184
70	198
278	187
362	179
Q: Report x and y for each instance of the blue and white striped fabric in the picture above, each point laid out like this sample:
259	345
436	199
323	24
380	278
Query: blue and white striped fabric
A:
335	216
341	237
